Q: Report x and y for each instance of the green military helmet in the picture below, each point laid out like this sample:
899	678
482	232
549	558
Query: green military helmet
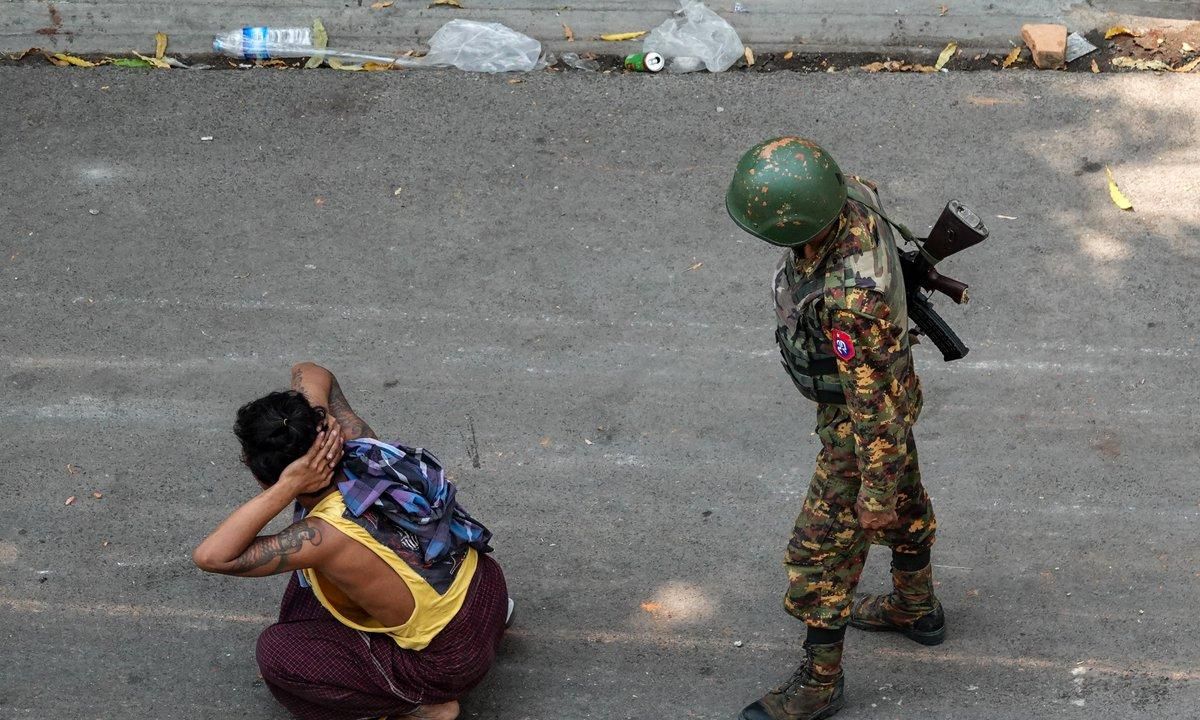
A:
786	191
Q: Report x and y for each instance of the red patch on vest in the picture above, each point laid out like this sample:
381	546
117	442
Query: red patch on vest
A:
843	346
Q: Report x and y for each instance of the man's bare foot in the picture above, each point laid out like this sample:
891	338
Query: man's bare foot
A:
441	711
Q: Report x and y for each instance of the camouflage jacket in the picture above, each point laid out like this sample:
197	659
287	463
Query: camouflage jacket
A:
858	314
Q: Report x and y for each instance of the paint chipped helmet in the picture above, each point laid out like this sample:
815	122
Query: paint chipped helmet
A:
786	191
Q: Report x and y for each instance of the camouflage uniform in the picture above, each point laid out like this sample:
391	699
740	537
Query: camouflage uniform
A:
851	290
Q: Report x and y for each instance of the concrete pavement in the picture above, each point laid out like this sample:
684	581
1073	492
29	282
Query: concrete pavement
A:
528	298
118	26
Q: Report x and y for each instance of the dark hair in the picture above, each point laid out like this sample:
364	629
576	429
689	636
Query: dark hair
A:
275	430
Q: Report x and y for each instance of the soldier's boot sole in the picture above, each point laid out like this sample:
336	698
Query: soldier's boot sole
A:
919	631
756	711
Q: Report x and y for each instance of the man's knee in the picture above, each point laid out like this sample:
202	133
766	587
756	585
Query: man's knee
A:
272	652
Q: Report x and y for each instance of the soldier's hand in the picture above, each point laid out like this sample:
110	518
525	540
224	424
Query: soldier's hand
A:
870	520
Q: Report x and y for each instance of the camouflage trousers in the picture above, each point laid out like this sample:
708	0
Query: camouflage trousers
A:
828	549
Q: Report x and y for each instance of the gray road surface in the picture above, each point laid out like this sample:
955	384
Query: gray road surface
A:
506	272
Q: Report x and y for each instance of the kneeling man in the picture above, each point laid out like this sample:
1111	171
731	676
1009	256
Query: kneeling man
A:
393	608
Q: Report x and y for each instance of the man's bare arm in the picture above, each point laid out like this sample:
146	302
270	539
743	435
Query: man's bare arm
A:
296	546
352	425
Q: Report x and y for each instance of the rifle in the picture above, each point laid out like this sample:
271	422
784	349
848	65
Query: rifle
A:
956	230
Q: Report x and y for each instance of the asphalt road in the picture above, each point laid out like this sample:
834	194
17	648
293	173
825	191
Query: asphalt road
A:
540	278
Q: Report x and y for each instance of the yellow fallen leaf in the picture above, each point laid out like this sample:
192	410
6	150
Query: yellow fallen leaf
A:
1116	30
619	37
382	5
1013	56
160	45
320	41
156	62
568	33
72	60
749	55
947	53
788	55
339	65
1140	64
70	501
1189	66
697	266
372	66
447	3
516	81
1095	68
1115	193
874	67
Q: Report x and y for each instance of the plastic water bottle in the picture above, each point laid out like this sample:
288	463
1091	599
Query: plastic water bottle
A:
260	43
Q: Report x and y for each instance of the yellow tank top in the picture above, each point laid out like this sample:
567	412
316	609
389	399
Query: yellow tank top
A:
432	611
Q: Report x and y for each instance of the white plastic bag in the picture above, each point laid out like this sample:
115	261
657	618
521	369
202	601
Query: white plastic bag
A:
698	33
481	47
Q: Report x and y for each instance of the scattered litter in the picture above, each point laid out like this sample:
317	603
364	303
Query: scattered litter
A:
749	55
740	8
1078	46
698	32
738	643
686	64
1079	702
942	10
70	501
568	33
464	44
72	468
1116	30
621	37
93	211
947	53
1141	64
160	45
650	62
1013	56
516	81
1115	193
788	55
1095	67
1006	217
206	138
897	66
398	191
697	266
447	3
97	494
382	5
544	442
720	109
579	63
972	688
588	442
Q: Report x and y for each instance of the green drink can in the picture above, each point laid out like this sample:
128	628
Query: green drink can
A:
650	62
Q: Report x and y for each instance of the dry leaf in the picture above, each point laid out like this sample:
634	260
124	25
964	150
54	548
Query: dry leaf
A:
516	81
339	65
73	469
1140	64
1095	67
1186	47
568	33
1013	56
1115	193
55	61
1116	30
943	10
973	593
447	3
749	55
382	5
160	45
788	55
371	66
70	501
1188	67
589	442
544	442
72	60
619	37
651	607
697	266
156	62
97	494
947	53
320	40
398	191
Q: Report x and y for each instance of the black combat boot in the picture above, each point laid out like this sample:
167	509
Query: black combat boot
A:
911	609
814	692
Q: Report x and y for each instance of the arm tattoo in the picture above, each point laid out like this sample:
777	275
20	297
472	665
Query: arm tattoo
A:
352	424
277	548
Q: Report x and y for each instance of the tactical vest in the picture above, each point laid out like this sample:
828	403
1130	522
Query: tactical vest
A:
800	305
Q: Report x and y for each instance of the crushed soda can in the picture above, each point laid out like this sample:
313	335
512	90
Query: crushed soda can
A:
650	62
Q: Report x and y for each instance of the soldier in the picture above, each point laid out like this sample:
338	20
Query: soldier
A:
842	328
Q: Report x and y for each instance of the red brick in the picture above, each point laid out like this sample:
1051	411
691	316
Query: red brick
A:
1048	43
